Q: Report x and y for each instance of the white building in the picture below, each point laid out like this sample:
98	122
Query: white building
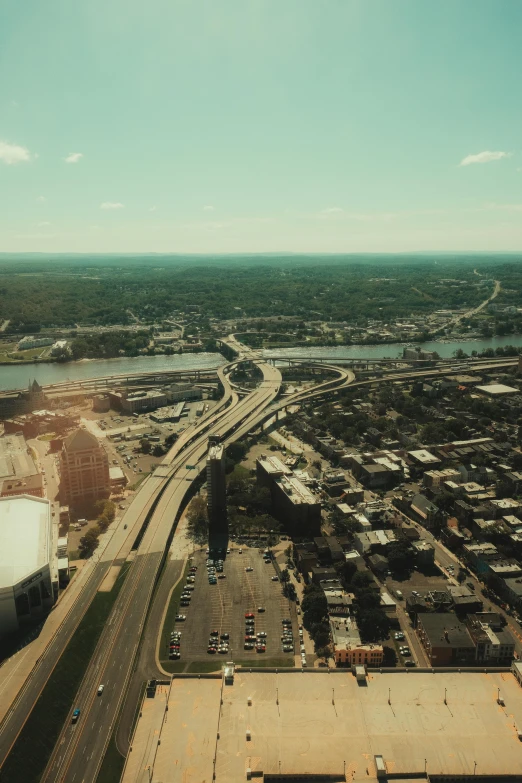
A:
26	553
34	342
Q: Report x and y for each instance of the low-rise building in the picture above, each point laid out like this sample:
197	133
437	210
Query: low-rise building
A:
348	649
424	553
494	645
434	478
426	511
447	641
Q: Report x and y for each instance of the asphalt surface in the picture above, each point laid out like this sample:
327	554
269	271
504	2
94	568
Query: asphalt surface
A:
27	697
81	747
222	607
145	667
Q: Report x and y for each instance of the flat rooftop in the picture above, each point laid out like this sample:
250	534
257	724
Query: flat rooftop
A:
497	389
25	537
15	459
293	488
316	723
273	465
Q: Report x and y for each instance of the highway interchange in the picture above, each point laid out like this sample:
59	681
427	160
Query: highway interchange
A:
80	749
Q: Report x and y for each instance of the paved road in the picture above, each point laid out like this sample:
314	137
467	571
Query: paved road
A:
80	750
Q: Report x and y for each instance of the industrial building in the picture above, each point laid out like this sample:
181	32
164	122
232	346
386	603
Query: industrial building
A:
27	570
216	488
84	469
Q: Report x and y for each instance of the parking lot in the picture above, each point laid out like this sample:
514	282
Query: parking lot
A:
418	581
222	607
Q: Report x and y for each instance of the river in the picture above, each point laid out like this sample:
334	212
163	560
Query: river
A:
18	376
393	350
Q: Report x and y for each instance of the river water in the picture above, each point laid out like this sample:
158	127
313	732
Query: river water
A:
393	350
18	376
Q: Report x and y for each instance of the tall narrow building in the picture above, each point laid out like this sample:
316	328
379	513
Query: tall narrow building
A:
84	469
216	488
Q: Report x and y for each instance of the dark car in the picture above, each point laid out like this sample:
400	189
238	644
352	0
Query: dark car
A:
75	715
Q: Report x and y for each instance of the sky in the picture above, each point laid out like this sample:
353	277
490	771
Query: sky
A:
229	126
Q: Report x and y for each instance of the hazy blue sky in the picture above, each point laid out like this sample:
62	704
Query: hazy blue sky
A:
260	125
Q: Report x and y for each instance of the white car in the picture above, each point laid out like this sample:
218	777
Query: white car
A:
100	690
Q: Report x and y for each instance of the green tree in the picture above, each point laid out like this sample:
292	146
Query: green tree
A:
145	446
89	542
197	520
314	606
373	625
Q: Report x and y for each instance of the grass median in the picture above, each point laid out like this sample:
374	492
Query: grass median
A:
169	624
32	750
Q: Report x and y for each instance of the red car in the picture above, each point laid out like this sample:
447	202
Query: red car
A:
193	569
249	615
260	648
211	651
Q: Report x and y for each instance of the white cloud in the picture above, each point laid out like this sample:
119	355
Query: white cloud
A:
13	153
208	208
153	208
111	205
332	211
73	157
483	157
43	224
41	199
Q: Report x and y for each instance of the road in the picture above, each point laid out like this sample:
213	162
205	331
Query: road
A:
80	750
469	313
83	745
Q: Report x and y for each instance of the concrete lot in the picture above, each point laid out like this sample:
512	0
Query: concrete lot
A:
222	607
314	722
419	581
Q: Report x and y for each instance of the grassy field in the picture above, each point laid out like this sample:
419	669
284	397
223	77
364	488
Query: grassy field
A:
168	625
135	486
45	722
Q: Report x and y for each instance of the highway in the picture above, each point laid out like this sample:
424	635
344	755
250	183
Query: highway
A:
81	747
116	550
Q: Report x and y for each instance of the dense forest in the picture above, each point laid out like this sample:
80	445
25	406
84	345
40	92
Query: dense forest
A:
69	291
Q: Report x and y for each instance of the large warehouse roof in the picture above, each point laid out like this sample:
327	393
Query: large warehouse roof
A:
25	537
315	723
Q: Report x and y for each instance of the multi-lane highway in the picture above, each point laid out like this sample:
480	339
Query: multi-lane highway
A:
81	746
80	749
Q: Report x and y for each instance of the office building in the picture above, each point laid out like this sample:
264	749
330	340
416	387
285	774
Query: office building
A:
26	568
216	487
14	403
84	469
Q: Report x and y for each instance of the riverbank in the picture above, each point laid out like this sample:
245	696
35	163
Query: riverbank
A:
17	376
